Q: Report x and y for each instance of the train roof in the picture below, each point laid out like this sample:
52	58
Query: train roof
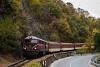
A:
72	43
33	37
79	43
66	43
53	42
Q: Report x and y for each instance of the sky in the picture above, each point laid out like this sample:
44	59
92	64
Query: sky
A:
92	6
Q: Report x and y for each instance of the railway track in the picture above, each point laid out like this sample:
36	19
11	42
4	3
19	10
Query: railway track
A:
20	63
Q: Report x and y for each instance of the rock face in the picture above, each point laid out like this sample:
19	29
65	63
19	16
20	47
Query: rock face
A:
30	20
56	0
34	27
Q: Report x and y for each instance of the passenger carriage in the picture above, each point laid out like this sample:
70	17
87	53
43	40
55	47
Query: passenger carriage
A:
54	46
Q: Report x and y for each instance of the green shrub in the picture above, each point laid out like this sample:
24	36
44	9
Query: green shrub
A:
35	64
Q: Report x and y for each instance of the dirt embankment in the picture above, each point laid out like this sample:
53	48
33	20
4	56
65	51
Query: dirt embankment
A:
7	59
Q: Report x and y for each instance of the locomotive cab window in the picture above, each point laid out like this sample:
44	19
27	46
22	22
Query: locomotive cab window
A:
26	40
33	41
41	42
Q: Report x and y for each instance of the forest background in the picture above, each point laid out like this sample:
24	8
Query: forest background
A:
51	20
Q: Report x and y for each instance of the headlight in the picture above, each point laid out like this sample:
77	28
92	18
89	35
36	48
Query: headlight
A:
35	48
24	47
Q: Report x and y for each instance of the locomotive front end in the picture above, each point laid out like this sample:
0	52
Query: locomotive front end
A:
30	46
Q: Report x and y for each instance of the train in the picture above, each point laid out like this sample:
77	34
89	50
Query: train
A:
36	46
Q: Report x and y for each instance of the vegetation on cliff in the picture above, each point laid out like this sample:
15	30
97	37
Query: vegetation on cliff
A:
48	19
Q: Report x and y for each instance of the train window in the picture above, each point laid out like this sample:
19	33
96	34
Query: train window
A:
33	41
40	42
27	40
45	43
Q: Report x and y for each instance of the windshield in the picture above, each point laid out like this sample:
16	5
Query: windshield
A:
33	41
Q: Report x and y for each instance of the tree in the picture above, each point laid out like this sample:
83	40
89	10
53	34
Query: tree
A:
35	7
54	9
89	43
97	41
62	28
9	35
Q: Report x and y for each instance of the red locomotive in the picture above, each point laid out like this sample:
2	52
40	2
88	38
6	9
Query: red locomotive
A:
34	45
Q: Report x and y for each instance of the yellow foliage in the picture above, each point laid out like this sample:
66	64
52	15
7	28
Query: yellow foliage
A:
87	29
95	30
84	46
89	41
63	20
55	37
35	1
15	5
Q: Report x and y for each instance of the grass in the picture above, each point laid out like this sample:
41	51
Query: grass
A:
34	64
98	58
